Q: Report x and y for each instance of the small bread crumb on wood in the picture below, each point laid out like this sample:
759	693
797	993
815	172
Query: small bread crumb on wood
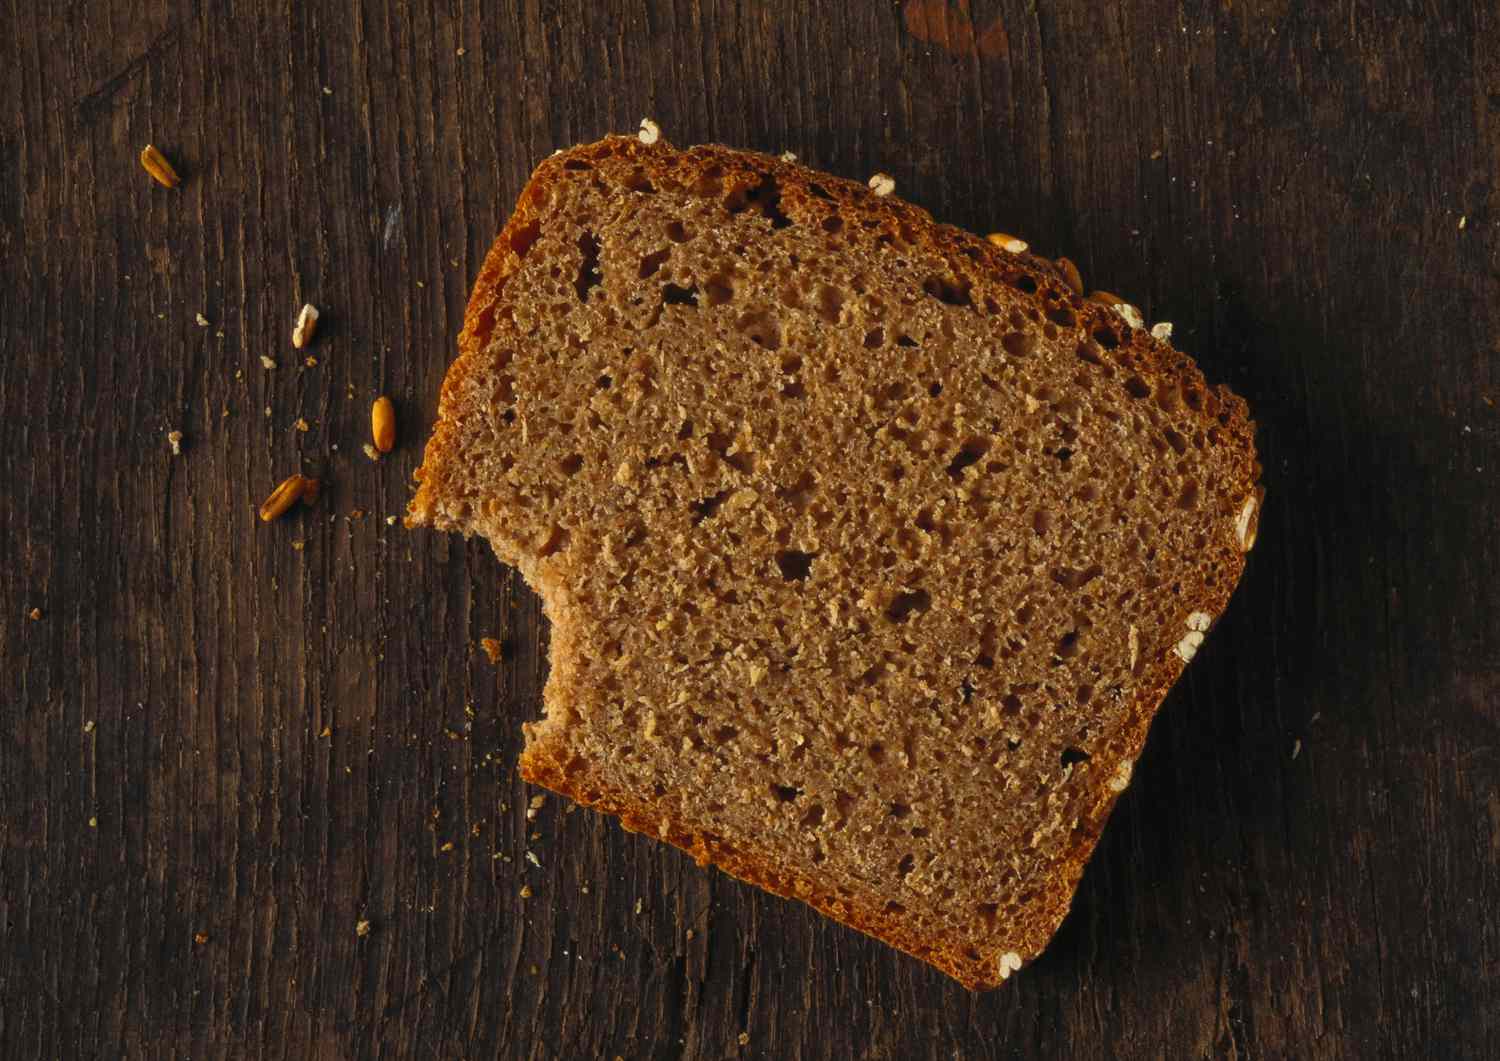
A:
493	648
306	326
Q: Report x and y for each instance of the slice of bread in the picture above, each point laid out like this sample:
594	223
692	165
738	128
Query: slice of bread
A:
870	548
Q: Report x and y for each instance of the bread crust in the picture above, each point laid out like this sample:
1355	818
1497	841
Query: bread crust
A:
441	502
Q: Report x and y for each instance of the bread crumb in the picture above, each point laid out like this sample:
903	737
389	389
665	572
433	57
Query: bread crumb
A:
1131	314
390	521
201	938
1296	747
301	424
88	727
174	439
361	928
491	646
93	823
882	184
1162	330
35	614
202	320
267	362
787	156
650	132
1463	222
1120	781
447	846
1010	962
526	894
531	857
326	731
460	52
371	451
744	1039
690	935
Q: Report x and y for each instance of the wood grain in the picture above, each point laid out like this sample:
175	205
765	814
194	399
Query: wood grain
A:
1308	864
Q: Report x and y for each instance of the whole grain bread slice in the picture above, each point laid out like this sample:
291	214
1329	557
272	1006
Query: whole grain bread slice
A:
870	547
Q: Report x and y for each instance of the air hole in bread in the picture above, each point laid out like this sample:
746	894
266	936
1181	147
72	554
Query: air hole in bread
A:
949	290
906	865
637	181
899	810
764	196
709	506
719	288
833	223
830	305
554	541
1074	756
524	237
906	605
589	276
794	566
1019	344
1137	387
1073	578
1067	645
710	183
677	232
970	453
1188	498
785	793
761	327
813	817
673	295
571	465
652	262
1062	315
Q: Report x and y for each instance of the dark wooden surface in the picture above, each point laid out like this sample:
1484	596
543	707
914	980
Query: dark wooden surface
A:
1308	864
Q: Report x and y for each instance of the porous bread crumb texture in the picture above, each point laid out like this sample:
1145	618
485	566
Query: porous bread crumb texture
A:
866	544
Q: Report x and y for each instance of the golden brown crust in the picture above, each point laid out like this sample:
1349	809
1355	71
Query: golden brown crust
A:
439	502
